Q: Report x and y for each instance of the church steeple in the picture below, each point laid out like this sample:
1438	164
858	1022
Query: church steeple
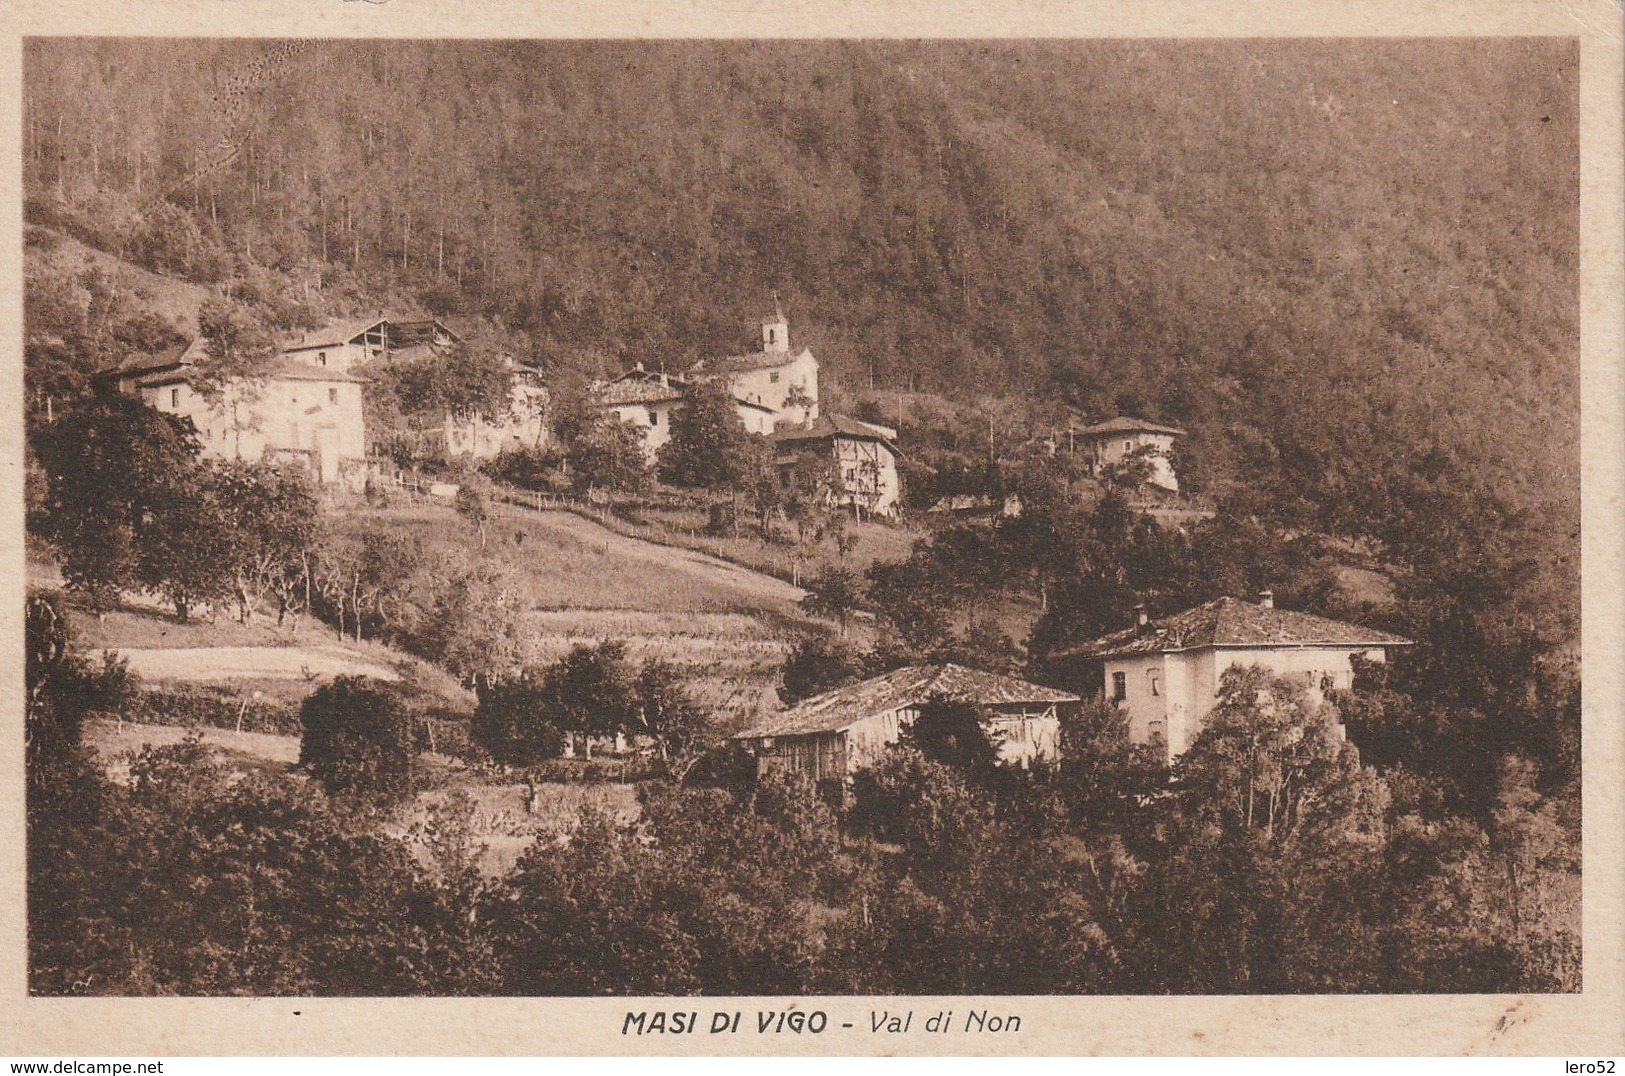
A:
776	329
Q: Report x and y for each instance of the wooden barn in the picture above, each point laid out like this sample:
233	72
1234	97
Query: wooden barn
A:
831	736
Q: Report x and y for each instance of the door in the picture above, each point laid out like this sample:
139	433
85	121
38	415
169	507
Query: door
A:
327	454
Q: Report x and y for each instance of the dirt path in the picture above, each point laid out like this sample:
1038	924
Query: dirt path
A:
750	585
253	663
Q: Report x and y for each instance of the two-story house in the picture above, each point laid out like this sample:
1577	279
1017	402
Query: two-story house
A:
292	411
1164	674
1107	444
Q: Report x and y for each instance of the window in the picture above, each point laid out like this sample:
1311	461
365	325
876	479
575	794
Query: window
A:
1119	686
321	358
773	378
1128	446
332	396
654	418
174	397
1154	678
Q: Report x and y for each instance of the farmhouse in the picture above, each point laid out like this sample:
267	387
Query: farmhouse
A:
523	425
774	377
296	412
831	736
345	344
1109	443
1164	674
648	398
863	455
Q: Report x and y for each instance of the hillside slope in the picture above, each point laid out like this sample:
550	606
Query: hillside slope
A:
1332	262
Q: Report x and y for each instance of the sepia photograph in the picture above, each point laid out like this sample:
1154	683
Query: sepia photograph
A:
802	517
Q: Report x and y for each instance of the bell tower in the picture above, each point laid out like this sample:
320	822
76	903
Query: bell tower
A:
776	330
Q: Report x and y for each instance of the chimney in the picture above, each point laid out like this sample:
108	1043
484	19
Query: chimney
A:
1141	618
1266	598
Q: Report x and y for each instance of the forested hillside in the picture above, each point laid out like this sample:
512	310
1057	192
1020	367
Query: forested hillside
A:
1334	263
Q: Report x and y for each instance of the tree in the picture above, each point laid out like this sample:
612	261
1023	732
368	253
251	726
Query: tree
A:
468	626
609	454
189	551
814	665
709	446
668	713
591	691
473	504
955	733
357	738
271	515
112	466
510	721
466	381
238	353
835	593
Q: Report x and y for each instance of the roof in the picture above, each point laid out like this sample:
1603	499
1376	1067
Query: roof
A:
741	364
1227	622
908	686
615	393
827	427
1127	425
338	333
176	373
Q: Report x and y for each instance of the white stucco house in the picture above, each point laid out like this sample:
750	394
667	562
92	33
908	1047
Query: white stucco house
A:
1108	443
293	412
522	426
783	381
648	399
1164	674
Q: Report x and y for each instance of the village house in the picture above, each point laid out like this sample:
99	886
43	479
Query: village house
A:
346	344
522	426
1107	444
784	382
293	412
1164	674
648	398
831	736
863	455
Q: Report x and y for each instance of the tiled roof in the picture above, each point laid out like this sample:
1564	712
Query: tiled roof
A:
175	373
1127	425
740	364
635	392
1231	622
338	333
908	686
825	427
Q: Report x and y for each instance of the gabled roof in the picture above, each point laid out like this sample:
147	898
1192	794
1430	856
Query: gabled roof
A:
281	369
742	364
828	427
1230	622
1127	425
338	333
908	686
635	391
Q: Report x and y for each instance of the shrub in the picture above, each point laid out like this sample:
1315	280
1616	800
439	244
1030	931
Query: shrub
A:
357	738
510	723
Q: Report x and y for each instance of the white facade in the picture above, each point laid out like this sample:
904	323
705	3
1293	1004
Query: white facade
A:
1167	696
306	415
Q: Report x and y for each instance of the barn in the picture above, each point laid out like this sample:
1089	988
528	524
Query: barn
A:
831	736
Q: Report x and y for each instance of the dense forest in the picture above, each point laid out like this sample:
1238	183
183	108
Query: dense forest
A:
1349	270
1323	259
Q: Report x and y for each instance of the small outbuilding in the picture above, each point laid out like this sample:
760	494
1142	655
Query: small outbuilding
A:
831	736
